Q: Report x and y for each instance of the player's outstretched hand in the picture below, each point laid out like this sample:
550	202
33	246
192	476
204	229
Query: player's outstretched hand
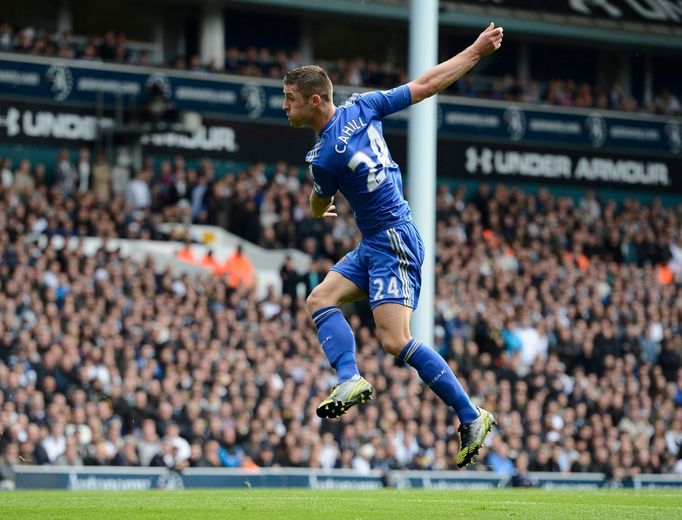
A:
489	40
330	212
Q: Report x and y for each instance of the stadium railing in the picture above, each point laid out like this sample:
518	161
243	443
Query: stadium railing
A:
62	83
135	478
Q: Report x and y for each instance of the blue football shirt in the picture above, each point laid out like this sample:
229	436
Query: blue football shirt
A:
351	156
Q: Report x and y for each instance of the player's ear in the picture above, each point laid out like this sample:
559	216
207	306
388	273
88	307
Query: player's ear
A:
315	99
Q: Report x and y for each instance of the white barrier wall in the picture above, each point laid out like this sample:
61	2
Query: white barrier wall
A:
266	262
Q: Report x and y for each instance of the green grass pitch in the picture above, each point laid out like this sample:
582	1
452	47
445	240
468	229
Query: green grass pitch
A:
297	504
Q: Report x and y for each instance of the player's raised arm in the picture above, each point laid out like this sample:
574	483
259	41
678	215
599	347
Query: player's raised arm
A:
444	74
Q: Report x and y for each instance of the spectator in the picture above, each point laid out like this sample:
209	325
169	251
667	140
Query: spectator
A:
107	48
667	103
361	462
120	173
5	36
129	451
200	193
55	443
23	180
101	179
90	53
238	269
210	263
197	459
181	448
498	458
673	437
31	450
534	342
104	454
25	40
138	193
166	457
78	428
543	461
83	168
216	456
9	457
71	456
521	477
185	253
290	278
6	176
149	445
39	174
65	175
584	464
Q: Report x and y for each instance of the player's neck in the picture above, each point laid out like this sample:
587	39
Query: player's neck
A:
324	118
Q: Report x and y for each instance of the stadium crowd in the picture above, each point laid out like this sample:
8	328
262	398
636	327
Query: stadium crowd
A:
561	316
357	72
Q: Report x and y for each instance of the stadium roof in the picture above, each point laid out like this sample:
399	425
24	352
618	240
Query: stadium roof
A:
623	22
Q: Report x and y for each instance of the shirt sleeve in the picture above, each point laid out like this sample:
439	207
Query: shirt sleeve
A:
324	182
386	102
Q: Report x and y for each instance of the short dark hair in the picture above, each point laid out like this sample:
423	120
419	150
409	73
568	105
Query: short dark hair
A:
310	79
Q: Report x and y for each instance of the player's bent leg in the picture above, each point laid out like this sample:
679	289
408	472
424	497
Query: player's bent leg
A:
392	322
334	290
338	343
392	326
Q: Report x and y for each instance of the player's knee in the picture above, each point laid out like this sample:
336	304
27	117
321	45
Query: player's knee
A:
316	300
392	344
311	303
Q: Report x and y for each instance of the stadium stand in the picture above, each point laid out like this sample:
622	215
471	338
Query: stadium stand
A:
563	316
357	72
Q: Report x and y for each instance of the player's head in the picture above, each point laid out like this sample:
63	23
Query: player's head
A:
307	92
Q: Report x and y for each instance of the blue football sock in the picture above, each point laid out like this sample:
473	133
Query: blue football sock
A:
438	376
337	340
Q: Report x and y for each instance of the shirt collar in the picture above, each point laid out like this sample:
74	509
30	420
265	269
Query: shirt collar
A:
331	121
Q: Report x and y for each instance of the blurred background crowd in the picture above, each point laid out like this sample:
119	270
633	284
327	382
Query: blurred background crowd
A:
561	315
560	311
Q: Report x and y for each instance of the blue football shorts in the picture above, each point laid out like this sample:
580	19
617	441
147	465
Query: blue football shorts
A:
387	266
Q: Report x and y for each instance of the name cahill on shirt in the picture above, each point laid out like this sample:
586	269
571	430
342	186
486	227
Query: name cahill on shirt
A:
347	132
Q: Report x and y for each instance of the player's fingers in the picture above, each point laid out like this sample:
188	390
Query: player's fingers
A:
490	27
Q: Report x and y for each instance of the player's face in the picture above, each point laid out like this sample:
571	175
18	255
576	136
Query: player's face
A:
298	111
